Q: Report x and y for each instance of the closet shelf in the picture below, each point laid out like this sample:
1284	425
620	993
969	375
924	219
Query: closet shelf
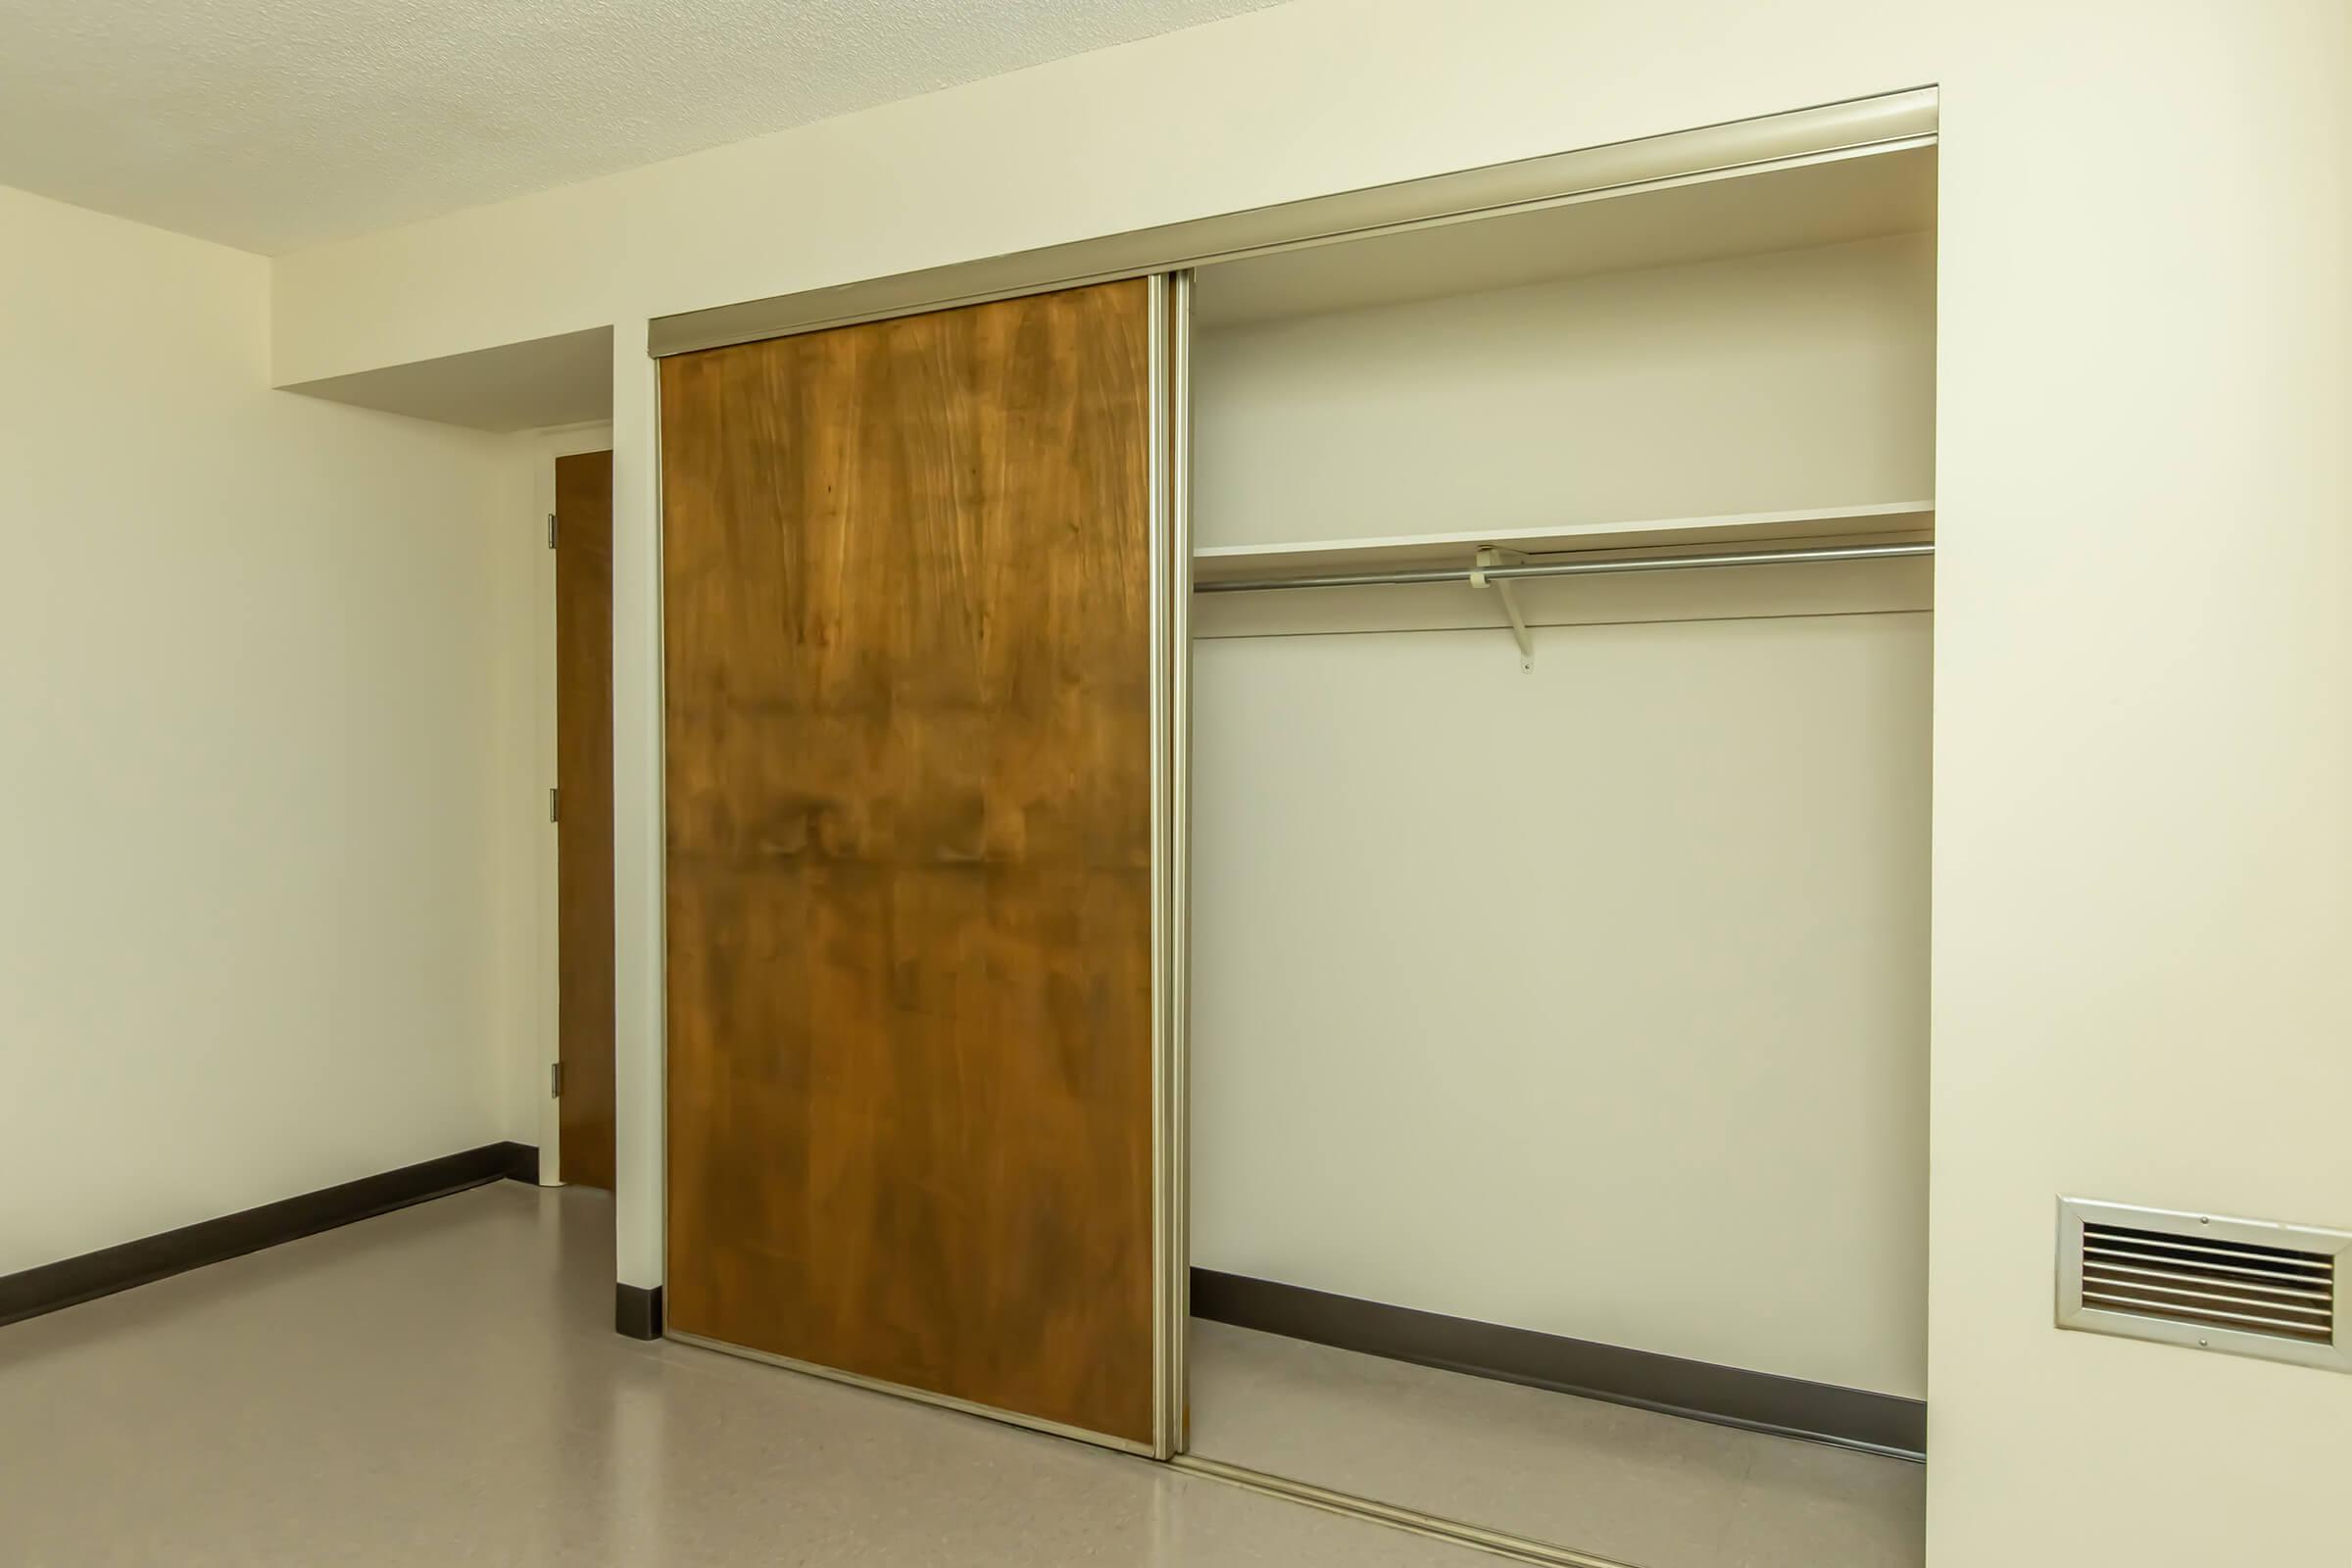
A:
1895	519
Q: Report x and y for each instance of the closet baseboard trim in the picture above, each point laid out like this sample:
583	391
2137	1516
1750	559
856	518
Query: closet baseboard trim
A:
1760	1401
71	1281
637	1311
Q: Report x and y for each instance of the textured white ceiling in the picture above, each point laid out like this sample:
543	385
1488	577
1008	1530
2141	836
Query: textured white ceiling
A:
273	125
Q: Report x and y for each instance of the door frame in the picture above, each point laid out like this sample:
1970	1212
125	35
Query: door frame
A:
544	1047
1171	854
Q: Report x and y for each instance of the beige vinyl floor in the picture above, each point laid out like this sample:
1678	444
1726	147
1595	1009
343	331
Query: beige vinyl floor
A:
1633	1486
442	1387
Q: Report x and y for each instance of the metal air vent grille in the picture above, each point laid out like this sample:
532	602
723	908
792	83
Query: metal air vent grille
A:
2246	1286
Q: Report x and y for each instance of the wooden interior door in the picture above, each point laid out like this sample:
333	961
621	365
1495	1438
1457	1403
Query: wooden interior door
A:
908	582
583	540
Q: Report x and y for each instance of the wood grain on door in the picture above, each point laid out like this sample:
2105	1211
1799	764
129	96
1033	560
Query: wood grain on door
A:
906	583
584	832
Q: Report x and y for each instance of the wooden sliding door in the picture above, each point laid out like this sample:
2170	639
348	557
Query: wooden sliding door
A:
907	577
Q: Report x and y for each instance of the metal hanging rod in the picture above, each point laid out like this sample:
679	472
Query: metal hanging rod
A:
1574	568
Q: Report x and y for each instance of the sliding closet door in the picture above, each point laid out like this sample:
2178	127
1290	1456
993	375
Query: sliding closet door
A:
909	761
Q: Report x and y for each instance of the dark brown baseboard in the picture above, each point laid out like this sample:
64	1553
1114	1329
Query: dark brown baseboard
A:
1761	1401
74	1279
637	1311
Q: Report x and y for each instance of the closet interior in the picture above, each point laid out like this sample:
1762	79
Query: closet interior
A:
1299	843
1558	1003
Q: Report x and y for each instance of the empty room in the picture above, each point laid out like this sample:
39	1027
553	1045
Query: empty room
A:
1175	782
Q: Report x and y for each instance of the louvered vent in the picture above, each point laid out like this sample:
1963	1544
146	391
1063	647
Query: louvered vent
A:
2248	1286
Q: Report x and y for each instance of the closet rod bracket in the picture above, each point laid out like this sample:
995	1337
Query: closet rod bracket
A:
1495	556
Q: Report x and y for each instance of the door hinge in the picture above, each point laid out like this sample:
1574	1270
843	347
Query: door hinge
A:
551	530
555	1080
553	803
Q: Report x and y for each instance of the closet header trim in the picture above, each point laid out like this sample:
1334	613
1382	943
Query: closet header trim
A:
1887	124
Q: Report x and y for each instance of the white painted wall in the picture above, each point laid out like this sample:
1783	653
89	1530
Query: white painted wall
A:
1796	379
252	768
1581	1000
2142	755
1592	1000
